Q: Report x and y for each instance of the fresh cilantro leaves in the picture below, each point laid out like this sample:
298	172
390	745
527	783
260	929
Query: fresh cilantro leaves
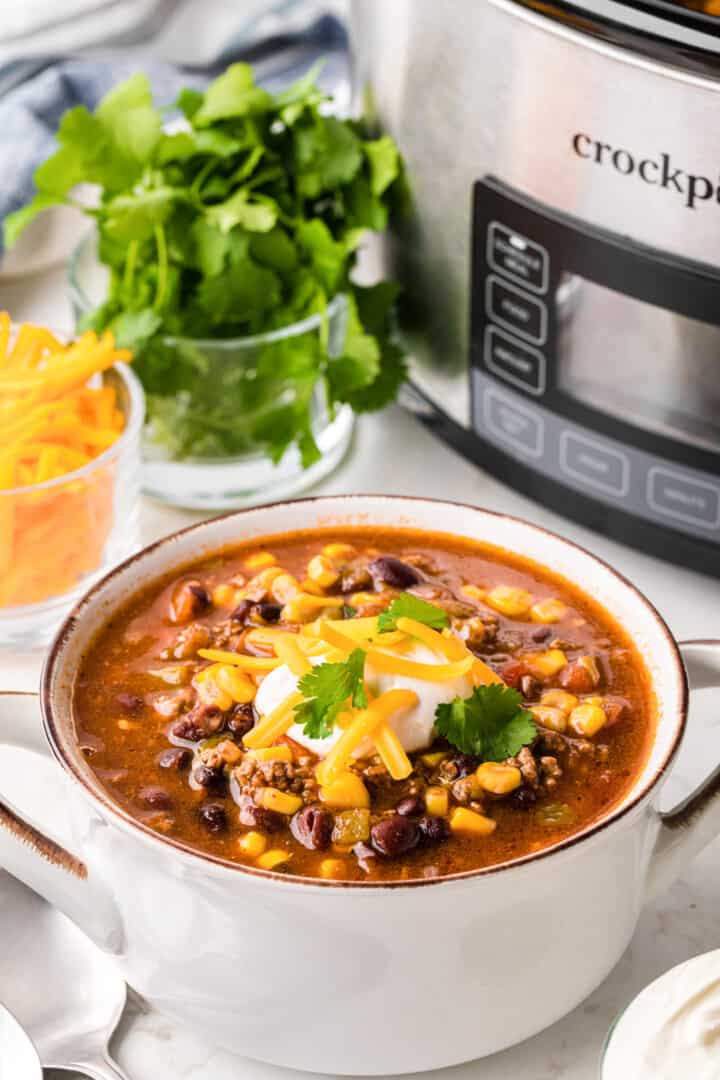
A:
327	688
246	221
490	724
407	606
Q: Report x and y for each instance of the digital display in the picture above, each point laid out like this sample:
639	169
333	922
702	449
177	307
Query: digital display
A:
657	370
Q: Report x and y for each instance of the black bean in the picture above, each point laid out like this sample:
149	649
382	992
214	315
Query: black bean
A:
529	687
213	816
433	830
541	634
189	599
242	611
394	835
410	806
393	572
269	613
257	817
524	798
199	723
241	720
156	797
130	703
212	779
312	827
464	765
177	758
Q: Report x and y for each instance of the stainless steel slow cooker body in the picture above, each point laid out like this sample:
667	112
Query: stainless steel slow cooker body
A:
592	142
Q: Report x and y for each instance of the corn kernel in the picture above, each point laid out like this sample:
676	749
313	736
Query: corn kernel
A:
436	801
259	586
252	844
284	587
272	753
473	592
332	868
321	570
592	701
544	665
559	699
338	551
550	610
590	665
463	820
240	688
304	608
259	560
127	725
224	596
587	719
550	716
515	603
311	587
497	778
209	692
280	801
434	759
272	859
345	793
229	752
359	598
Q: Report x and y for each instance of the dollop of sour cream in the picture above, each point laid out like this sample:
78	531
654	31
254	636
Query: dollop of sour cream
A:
413	726
672	1029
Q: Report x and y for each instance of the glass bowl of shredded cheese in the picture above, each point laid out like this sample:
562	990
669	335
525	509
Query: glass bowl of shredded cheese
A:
71	417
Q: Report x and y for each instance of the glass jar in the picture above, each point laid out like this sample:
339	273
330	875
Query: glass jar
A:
59	536
206	444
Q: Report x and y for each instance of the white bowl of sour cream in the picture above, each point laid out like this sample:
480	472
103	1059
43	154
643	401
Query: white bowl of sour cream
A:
671	1031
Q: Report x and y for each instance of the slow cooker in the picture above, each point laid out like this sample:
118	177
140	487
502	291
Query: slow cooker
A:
561	259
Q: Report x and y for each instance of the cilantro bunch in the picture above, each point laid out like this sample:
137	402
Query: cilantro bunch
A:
247	220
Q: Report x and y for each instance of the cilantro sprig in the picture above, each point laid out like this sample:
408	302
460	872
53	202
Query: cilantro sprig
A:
327	689
491	724
247	220
407	606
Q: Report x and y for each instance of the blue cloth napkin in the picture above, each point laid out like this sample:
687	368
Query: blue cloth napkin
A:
31	110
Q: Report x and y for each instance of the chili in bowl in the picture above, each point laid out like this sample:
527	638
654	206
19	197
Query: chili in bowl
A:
355	795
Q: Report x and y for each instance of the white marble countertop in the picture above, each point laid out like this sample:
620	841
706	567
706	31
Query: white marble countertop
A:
392	453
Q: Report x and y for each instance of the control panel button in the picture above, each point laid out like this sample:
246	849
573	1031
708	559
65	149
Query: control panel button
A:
594	463
518	364
513	424
677	496
518	258
512	308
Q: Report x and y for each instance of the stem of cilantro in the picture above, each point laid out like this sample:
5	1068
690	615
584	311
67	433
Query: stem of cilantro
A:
162	266
202	177
129	271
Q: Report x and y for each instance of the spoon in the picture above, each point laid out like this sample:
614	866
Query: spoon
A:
18	1057
59	986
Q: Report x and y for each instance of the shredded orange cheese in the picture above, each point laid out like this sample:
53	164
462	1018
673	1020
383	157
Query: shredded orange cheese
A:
53	423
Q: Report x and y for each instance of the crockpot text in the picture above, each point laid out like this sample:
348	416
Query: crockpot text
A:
658	171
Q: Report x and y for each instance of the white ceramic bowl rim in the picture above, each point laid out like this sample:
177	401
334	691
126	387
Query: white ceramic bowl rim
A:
638	793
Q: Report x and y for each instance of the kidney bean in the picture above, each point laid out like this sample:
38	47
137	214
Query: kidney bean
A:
576	679
410	806
189	599
257	817
211	779
242	611
269	613
156	797
130	703
312	827
513	672
394	835
433	830
393	572
241	720
213	816
177	758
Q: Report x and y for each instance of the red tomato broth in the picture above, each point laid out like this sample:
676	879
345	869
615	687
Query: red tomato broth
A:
123	736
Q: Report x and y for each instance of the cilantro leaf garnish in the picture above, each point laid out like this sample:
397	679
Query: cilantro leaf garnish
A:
491	724
407	606
248	220
327	689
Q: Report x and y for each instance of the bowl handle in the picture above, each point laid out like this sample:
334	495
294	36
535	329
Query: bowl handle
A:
38	860
691	825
